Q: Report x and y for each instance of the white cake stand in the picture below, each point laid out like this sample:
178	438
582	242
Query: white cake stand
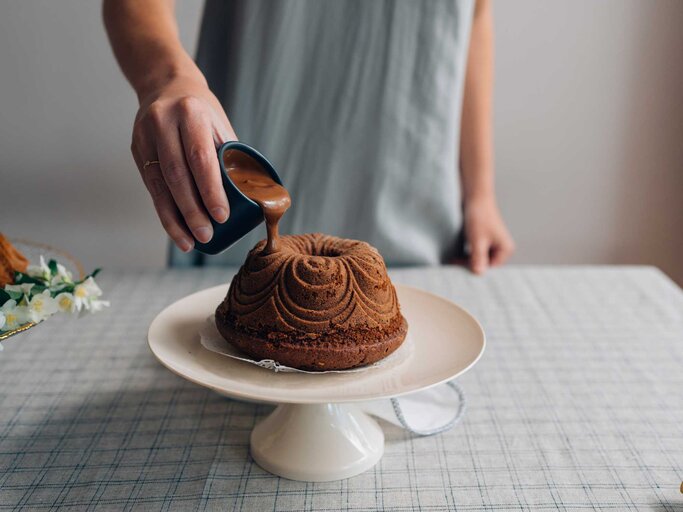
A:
316	433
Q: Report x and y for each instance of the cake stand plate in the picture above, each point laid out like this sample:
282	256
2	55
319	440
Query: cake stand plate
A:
317	433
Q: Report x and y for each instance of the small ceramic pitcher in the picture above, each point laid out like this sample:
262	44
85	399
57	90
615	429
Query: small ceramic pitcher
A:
245	214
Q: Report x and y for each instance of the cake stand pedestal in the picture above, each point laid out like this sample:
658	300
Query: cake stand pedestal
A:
317	443
316	433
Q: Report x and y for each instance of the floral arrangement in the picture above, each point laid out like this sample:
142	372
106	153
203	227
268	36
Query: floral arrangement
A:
44	290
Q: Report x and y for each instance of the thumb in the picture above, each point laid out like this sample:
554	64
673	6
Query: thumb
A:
479	259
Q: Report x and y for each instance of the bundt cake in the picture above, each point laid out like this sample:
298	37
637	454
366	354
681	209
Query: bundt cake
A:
318	303
11	260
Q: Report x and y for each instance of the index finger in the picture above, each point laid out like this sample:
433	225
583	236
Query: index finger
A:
479	259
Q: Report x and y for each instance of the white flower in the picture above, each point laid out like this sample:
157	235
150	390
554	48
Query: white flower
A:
63	276
42	270
2	320
65	302
41	306
23	288
96	305
85	293
15	316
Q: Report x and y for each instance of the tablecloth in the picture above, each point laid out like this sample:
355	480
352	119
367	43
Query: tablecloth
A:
577	404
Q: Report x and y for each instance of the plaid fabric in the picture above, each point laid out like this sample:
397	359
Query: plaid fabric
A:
576	405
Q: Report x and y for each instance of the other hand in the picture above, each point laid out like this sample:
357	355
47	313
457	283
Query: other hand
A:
489	241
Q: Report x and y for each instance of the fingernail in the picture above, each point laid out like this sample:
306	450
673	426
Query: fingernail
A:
203	234
220	214
185	245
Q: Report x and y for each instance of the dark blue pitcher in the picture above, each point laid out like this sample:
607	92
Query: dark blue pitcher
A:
245	214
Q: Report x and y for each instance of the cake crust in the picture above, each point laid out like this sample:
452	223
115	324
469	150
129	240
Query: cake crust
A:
314	355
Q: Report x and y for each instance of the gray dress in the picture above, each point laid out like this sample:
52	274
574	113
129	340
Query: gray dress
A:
357	104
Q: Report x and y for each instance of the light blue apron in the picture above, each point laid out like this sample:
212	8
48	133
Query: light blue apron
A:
357	104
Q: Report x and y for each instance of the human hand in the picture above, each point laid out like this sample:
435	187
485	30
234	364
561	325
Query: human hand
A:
489	241
179	125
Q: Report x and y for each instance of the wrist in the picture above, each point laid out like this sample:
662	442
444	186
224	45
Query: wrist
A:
166	71
481	192
477	179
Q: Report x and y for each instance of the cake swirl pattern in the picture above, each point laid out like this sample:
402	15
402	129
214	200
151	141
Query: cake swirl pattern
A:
314	283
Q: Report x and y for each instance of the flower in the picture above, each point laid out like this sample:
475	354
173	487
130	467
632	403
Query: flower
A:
97	305
15	316
45	289
85	292
41	271
62	277
21	288
65	302
41	306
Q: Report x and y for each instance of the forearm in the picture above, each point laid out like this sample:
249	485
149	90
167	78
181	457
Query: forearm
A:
144	38
179	123
476	138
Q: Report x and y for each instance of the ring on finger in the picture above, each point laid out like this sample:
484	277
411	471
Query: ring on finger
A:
150	162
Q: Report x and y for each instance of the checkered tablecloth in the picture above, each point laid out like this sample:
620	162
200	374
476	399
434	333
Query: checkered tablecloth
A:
577	404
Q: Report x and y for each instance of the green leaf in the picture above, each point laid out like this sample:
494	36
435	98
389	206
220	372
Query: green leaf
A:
53	267
4	297
66	287
92	274
37	289
21	278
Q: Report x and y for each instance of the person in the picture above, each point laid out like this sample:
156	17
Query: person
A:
376	114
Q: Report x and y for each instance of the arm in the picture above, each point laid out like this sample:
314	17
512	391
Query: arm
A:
179	122
489	241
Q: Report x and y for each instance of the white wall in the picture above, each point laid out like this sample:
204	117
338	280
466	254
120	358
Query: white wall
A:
589	118
589	130
66	112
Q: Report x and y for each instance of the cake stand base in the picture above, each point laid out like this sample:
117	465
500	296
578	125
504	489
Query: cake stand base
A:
317	443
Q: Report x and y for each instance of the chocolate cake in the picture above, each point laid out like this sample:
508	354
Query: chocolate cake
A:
318	303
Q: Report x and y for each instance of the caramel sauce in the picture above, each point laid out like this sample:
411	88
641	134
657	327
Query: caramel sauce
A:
274	200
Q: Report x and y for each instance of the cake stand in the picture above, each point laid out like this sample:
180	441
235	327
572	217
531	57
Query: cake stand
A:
316	432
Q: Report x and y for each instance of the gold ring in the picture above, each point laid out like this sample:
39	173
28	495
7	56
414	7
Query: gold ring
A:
150	162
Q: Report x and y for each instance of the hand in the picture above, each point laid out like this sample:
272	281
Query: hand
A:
489	241
181	124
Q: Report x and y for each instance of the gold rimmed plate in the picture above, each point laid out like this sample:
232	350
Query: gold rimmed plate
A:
33	251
